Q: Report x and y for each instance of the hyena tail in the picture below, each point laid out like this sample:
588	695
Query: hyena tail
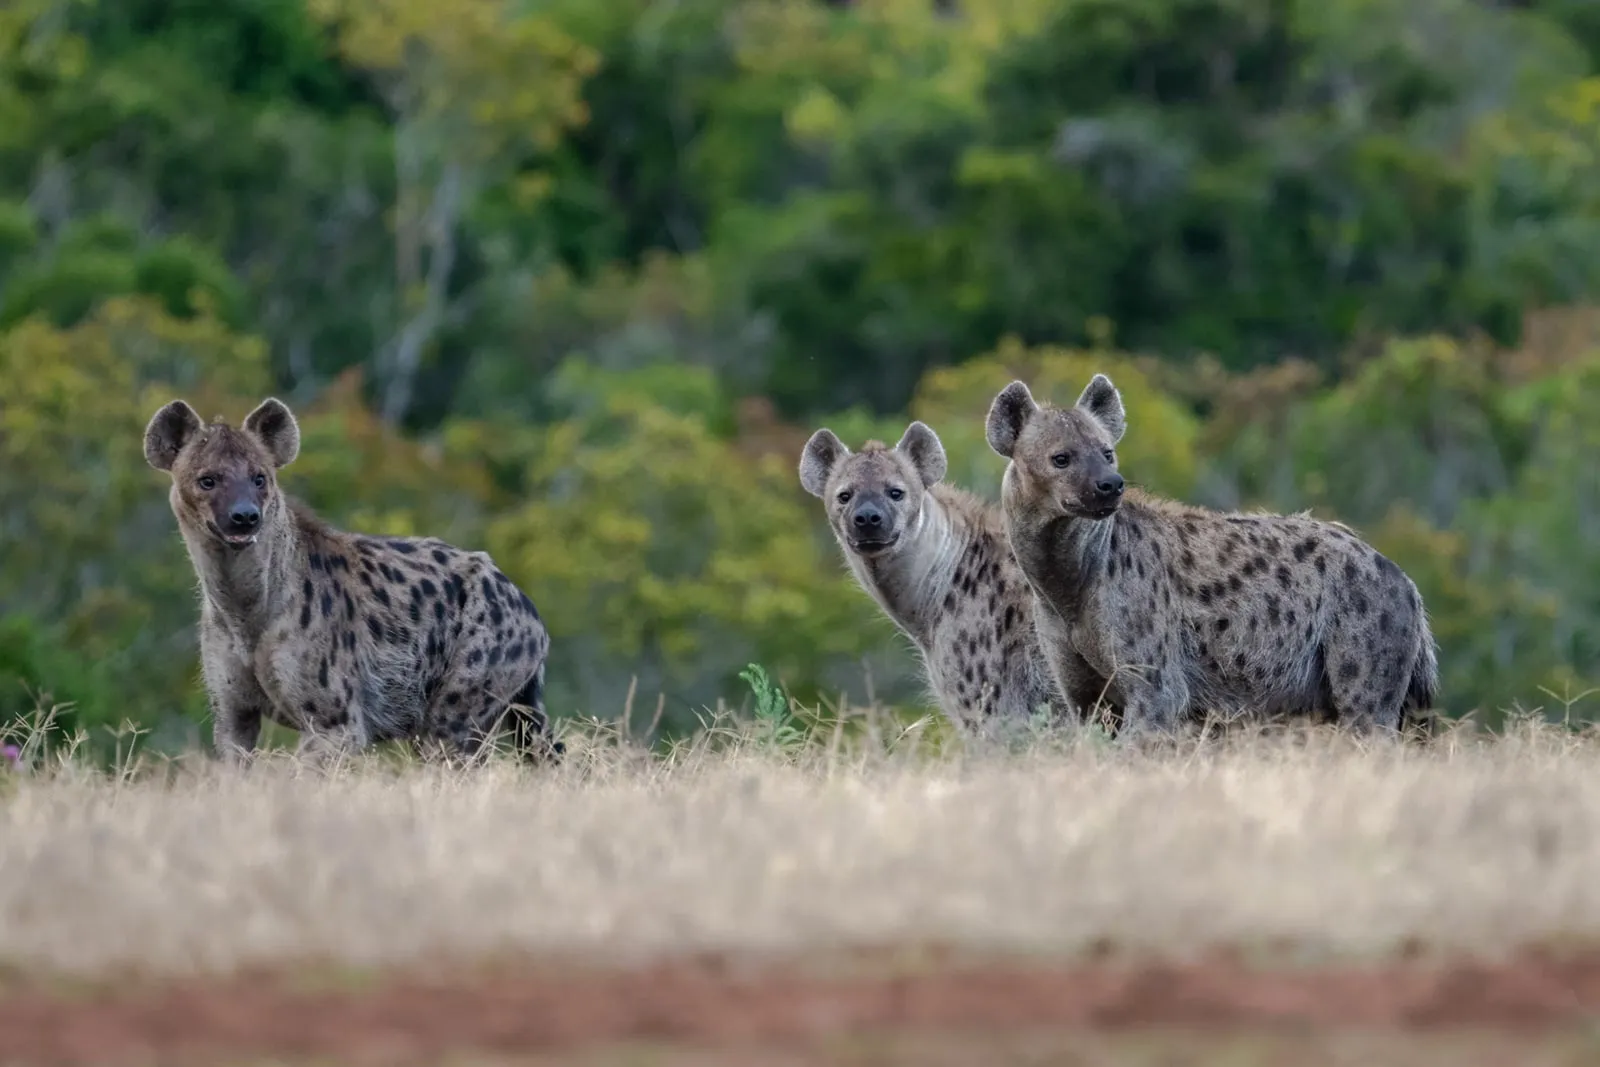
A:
1417	712
530	724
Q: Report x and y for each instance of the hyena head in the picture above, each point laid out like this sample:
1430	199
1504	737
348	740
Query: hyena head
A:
1063	461
874	497
224	481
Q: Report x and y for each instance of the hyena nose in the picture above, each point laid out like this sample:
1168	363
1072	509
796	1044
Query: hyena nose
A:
245	516
867	517
1110	485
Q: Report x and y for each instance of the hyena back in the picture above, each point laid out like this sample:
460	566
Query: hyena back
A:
1168	610
348	639
936	561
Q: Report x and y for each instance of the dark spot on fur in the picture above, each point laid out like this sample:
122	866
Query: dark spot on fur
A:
1360	603
1239	660
1322	565
403	547
452	699
1204	594
438	610
1235	583
305	609
440	557
1187	559
1111	568
475	657
375	628
1348	670
350	640
315	559
1222	624
1304	549
1350	571
383	597
327	604
322	673
1385	622
1284	579
428	588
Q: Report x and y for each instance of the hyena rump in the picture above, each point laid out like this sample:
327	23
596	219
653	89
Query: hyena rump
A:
348	639
1168	610
936	560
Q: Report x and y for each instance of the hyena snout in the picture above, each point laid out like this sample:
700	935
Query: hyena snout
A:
1108	488
243	517
1096	493
872	525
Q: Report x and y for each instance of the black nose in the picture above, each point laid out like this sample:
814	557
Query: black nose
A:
867	517
245	516
1111	485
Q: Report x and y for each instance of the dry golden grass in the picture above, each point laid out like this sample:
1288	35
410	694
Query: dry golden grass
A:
1319	843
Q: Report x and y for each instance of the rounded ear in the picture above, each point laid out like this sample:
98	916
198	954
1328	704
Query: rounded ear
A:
1103	403
169	430
822	453
922	445
1008	414
274	426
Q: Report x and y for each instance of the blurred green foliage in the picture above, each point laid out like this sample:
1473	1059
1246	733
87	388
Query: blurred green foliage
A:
573	281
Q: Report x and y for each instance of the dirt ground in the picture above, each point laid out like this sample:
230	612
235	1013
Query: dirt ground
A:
867	1010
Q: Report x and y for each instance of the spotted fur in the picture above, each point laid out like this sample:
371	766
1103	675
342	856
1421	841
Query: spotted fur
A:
936	560
1168	610
349	639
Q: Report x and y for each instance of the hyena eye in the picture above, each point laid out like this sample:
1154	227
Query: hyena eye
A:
896	494
1111	457
1061	459
844	496
208	483
260	480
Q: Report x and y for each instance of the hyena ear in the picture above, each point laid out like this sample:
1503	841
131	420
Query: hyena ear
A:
169	430
921	444
822	453
274	425
1008	414
1101	400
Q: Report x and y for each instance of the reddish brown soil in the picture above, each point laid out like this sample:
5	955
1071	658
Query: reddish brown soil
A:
710	1003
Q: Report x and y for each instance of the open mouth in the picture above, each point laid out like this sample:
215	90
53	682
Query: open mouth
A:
867	547
233	540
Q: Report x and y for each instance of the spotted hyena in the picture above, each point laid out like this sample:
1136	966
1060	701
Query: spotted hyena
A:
1169	610
936	560
348	639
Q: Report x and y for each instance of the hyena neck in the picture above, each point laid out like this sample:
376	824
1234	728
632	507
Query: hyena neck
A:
1061	556
911	583
247	589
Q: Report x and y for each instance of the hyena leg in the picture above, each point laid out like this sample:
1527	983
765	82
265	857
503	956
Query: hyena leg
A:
1369	688
1154	697
322	747
237	701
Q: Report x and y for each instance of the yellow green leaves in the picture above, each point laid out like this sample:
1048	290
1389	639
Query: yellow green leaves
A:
505	76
